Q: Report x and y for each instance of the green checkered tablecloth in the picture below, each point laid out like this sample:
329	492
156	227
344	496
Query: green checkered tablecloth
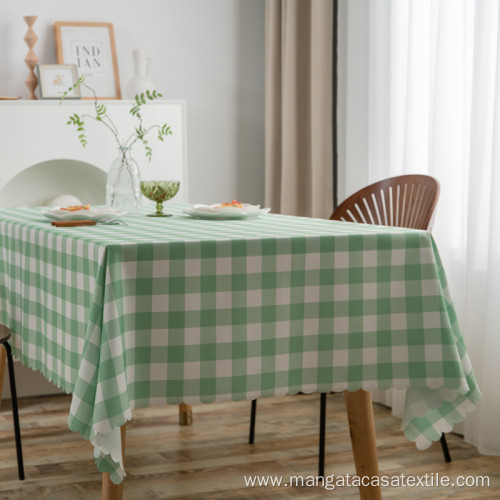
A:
184	310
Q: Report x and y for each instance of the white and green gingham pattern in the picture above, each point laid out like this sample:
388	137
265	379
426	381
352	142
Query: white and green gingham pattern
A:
184	310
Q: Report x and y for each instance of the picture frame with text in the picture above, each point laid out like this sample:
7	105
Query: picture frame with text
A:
91	47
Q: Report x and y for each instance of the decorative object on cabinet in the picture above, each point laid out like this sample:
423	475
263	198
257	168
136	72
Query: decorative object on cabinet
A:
122	189
91	46
31	59
141	81
56	78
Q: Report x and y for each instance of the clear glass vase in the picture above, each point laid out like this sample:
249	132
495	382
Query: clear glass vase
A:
123	189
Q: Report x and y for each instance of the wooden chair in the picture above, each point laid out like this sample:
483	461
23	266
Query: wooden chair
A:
403	201
5	335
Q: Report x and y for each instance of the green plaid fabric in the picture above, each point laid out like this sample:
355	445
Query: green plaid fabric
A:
184	310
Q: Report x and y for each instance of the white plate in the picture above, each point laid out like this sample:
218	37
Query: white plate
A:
217	212
97	213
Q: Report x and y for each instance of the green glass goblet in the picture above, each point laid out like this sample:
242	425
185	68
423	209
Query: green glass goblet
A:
159	191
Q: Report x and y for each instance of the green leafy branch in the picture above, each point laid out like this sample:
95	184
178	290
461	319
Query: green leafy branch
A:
140	131
76	85
77	121
163	132
142	99
101	115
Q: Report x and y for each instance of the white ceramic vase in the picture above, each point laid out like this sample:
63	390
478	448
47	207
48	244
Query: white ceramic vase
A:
141	81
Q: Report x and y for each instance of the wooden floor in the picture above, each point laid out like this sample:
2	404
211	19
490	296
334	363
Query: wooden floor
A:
209	459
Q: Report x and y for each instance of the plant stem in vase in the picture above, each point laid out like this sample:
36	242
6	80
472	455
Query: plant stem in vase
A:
123	189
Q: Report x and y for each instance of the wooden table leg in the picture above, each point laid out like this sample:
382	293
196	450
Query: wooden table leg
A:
110	490
3	361
185	414
364	448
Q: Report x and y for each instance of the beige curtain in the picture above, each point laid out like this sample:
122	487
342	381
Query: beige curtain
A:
299	35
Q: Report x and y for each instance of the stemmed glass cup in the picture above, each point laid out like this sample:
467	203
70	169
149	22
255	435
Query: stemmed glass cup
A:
159	191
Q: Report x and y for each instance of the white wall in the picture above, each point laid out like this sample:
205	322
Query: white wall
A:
208	52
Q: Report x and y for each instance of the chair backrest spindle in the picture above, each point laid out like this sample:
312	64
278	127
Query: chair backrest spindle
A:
404	201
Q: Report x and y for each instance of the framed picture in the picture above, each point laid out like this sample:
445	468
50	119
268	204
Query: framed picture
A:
55	79
91	47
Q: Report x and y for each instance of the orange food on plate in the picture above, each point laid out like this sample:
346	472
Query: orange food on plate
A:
233	203
74	208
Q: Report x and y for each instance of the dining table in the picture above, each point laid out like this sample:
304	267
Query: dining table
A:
155	311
